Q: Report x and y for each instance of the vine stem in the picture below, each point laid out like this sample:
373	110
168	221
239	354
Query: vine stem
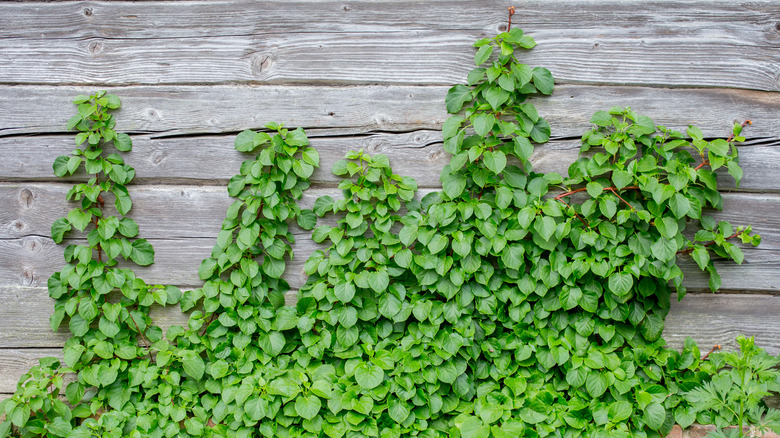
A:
614	191
205	327
687	250
716	347
705	162
143	338
511	12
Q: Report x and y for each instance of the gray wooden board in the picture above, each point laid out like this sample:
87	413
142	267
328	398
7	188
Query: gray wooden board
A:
183	110
182	211
29	261
707	318
697	43
417	153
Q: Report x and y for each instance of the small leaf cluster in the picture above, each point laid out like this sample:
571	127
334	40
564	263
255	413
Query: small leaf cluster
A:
648	177
733	396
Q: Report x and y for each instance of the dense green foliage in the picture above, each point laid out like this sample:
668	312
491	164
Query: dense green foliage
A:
509	304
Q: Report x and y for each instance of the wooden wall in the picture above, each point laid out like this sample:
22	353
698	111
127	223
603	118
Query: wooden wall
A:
361	74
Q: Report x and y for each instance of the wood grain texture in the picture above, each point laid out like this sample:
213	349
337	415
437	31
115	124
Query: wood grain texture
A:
696	43
419	153
707	318
186	110
183	211
29	261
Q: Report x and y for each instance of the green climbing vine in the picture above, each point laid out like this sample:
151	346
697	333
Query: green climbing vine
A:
509	304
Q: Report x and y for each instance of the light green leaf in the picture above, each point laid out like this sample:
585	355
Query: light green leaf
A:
456	97
483	54
483	124
307	406
143	252
495	161
193	365
654	415
368	375
543	80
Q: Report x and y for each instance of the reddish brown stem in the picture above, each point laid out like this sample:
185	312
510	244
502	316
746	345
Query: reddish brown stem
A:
509	24
620	197
611	189
705	162
687	250
716	347
575	213
205	327
563	195
143	338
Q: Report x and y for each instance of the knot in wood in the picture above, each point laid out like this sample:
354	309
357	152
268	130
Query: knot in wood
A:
88	12
95	47
26	198
28	277
261	64
18	225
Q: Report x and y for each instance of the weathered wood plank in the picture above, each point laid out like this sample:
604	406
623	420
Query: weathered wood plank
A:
708	318
417	153
29	261
682	44
15	363
180	110
717	319
197	212
24	318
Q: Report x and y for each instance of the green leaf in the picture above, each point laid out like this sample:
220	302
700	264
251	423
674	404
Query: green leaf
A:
245	141
307	219
594	189
701	256
451	127
483	124
695	133
123	142
79	219
495	161
654	415
368	375
601	118
456	97
685	416
596	384
483	54
667	227
719	147
496	97
307	406
143	252
398	410
472	427
273	267
620	283
679	205
735	171
60	166
193	365
620	411
545	226
344	291
543	80
59	228
453	184
272	343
